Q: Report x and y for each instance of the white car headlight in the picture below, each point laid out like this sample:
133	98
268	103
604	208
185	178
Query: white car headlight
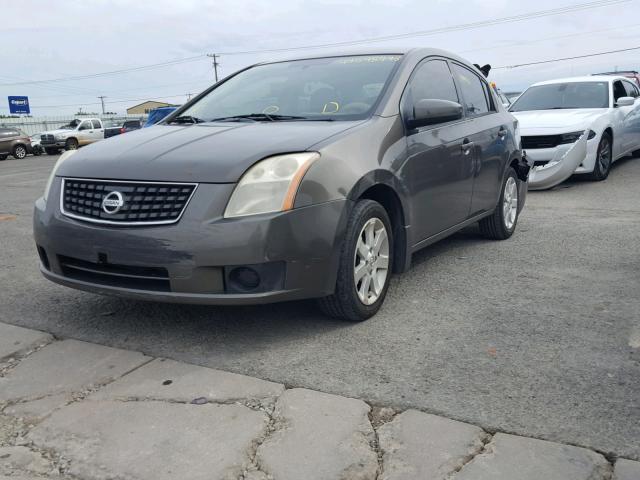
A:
61	159
60	136
270	185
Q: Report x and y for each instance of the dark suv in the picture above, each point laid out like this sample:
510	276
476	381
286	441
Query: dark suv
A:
13	141
310	178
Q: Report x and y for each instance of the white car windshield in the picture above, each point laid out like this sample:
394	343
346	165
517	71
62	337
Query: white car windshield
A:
337	88
563	96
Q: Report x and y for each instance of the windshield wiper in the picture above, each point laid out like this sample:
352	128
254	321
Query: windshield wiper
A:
256	117
186	119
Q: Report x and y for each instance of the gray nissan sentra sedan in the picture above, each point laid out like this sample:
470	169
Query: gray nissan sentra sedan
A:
310	178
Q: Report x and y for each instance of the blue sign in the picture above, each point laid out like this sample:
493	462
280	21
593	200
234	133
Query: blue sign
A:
19	105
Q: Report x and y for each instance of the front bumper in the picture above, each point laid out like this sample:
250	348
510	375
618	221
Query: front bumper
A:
54	144
553	166
295	252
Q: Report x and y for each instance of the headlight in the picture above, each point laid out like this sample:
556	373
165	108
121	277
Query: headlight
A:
61	159
574	136
60	137
270	185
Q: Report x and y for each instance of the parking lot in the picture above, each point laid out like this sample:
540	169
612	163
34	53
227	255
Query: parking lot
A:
538	335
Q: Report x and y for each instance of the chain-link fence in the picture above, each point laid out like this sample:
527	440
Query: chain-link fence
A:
33	125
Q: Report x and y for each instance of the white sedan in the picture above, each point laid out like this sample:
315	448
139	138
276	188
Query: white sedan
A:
577	125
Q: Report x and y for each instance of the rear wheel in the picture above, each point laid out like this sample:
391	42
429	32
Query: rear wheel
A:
603	159
365	265
19	152
502	223
71	144
52	151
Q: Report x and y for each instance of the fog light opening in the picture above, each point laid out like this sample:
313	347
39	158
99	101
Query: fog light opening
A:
244	278
43	257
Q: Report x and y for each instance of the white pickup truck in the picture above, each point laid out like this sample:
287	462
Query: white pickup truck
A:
76	134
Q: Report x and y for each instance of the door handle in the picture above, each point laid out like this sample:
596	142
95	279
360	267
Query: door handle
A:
466	147
502	132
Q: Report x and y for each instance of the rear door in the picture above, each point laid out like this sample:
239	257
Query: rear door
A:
487	135
98	131
440	162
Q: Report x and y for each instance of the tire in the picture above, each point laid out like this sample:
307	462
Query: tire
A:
358	299
52	151
3	156
603	159
19	152
71	144
502	222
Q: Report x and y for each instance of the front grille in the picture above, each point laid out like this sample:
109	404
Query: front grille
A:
142	203
47	138
125	276
541	141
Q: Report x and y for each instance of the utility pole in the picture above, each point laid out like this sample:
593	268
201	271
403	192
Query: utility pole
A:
188	96
102	97
216	64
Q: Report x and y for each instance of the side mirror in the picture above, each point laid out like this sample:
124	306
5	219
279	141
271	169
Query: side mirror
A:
432	111
625	101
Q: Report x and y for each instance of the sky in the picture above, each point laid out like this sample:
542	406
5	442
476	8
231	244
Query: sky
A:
41	41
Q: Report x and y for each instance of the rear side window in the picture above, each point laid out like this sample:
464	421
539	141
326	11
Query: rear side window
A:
433	80
474	91
96	124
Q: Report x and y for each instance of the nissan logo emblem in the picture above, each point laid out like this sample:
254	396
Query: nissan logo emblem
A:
112	202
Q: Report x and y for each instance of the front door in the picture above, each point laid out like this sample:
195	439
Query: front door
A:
440	157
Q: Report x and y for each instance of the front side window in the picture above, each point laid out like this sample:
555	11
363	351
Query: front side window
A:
474	91
631	89
432	80
556	96
337	88
86	125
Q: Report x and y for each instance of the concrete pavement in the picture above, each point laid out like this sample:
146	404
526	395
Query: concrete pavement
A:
76	410
537	336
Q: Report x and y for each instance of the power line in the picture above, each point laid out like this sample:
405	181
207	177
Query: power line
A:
453	28
123	100
436	31
568	58
112	72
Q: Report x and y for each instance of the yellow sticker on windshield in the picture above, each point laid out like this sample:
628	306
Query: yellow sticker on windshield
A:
331	107
370	59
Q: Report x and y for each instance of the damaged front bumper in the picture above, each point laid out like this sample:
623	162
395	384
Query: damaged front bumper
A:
554	165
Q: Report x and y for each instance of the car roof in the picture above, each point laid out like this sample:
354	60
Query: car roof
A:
420	52
586	78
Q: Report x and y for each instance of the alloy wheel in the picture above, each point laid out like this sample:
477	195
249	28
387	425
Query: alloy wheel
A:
20	152
510	203
604	155
371	261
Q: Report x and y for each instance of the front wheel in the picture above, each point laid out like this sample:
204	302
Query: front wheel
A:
52	151
365	264
3	156
502	223
71	144
603	159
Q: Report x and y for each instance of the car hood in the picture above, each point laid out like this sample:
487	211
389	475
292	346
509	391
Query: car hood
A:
209	153
562	121
56	132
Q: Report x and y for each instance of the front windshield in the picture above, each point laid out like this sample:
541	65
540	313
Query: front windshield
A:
563	96
71	126
338	88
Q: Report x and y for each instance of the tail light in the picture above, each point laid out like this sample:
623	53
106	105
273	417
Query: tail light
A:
122	130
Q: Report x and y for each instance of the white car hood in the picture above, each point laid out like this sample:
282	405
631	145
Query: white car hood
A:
560	121
56	132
